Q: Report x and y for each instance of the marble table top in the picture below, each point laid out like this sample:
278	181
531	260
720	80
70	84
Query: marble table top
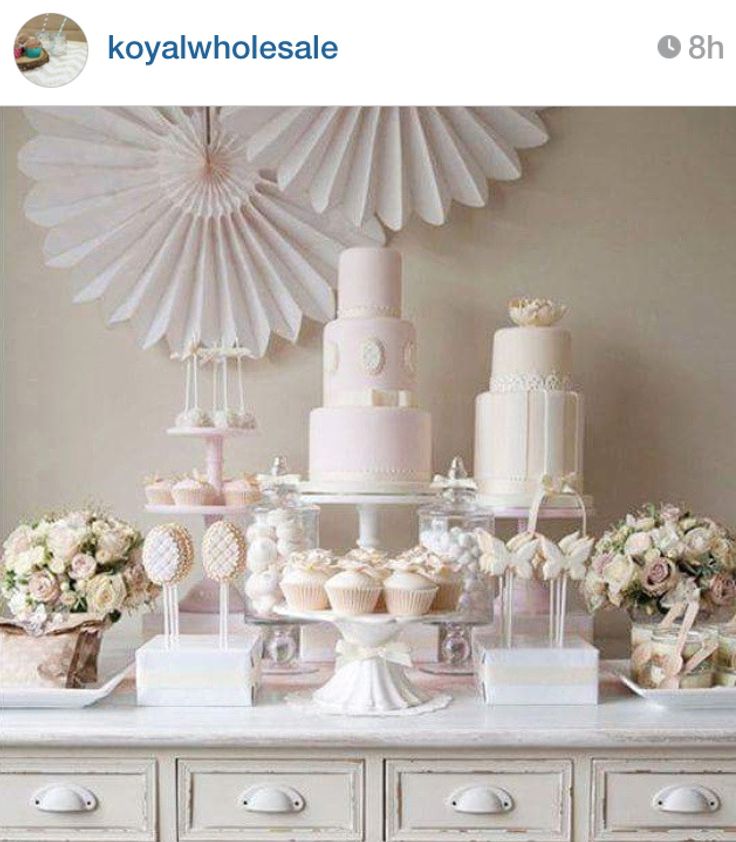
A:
620	720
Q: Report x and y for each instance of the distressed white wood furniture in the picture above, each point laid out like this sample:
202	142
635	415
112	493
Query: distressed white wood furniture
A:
624	770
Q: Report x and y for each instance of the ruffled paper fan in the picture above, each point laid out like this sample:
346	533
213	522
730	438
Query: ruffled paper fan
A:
161	216
389	161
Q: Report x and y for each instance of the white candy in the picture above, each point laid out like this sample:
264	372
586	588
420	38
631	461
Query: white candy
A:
264	605
286	548
261	554
265	583
258	530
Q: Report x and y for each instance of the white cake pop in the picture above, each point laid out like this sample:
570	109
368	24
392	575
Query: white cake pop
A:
168	556
223	551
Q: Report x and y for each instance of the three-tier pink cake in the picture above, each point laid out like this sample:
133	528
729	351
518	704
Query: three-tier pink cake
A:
369	436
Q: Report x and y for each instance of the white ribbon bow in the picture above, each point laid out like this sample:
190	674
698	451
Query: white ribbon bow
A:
395	652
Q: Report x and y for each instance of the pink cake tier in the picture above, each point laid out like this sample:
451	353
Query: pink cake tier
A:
369	449
369	436
369	362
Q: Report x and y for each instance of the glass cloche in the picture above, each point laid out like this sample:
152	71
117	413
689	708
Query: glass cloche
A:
447	528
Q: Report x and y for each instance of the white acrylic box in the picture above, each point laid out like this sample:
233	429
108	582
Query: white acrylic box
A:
534	671
195	672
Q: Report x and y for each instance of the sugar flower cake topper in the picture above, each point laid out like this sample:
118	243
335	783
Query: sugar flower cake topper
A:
535	312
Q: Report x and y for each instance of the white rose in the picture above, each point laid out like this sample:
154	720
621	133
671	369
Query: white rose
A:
40	533
24	563
18	603
644	524
594	591
19	540
103	557
57	565
638	543
618	575
105	593
68	599
77	520
114	542
63	541
698	541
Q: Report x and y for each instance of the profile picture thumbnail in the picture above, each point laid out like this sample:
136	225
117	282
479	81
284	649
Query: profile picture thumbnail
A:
50	50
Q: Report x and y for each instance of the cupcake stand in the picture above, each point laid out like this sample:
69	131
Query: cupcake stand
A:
370	671
203	597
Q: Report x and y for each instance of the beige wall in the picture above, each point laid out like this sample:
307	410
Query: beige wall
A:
627	215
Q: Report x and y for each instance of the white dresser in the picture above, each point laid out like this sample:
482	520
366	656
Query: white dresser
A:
624	770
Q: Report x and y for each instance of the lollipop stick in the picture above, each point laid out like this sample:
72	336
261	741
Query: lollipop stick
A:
239	366
224	384
223	614
175	607
552	615
563	609
167	623
187	390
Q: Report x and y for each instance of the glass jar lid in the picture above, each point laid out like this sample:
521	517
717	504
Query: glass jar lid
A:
280	489
456	493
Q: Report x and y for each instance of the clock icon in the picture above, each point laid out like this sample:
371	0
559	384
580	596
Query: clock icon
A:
669	46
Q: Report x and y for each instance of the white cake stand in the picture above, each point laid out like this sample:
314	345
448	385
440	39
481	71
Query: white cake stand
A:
369	507
370	677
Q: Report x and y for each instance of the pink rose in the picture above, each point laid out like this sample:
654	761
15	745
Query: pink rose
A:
43	587
83	566
722	589
658	576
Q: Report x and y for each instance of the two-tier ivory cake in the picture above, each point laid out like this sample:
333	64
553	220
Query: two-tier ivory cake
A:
529	425
369	437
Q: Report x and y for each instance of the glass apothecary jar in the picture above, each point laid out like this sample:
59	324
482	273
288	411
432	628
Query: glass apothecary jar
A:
447	528
283	523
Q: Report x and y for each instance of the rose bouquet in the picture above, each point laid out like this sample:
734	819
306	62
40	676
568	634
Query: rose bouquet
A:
82	562
660	557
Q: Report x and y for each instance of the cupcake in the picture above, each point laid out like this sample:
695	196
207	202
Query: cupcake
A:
355	590
304	580
449	580
409	591
32	47
158	490
241	491
377	560
194	491
194	417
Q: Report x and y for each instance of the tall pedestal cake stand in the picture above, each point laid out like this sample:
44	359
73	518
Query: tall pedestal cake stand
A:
369	508
203	597
370	671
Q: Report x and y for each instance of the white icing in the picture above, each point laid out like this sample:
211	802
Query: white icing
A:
373	355
531	382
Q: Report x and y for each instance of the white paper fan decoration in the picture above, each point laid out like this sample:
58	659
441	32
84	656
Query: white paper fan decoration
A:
389	161
162	217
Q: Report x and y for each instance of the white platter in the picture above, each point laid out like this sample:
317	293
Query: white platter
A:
59	697
703	698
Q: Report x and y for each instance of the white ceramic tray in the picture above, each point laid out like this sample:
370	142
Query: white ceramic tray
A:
707	697
60	697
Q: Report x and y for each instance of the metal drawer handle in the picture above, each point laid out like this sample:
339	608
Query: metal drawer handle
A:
481	800
263	798
64	798
686	799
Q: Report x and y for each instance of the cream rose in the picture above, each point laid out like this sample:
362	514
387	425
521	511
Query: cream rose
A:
698	541
62	541
722	589
83	566
113	544
618	575
594	591
43	587
638	543
18	603
105	593
19	541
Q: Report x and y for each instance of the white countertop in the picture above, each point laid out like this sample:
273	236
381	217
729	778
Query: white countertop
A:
620	719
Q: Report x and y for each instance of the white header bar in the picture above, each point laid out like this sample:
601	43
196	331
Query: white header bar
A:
419	52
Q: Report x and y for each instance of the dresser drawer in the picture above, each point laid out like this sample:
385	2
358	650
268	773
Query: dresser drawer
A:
95	799
478	801
651	800
270	799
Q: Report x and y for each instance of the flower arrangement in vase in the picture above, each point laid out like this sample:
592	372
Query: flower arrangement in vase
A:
662	564
69	572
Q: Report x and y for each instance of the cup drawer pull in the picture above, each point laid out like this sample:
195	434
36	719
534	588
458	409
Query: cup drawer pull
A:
64	798
481	800
686	799
263	798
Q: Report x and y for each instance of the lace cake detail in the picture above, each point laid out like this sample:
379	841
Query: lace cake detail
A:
553	382
410	358
372	355
361	311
